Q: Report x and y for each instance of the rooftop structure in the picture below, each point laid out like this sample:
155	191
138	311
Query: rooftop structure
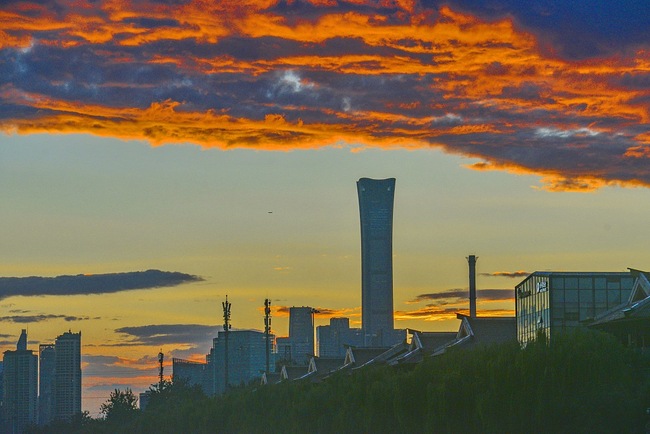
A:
630	320
320	367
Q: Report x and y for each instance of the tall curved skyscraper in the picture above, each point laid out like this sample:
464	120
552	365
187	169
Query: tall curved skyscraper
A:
376	198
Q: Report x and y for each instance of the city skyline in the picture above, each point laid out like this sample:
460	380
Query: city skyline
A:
163	156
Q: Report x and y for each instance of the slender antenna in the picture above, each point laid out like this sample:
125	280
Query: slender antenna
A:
161	357
226	329
267	331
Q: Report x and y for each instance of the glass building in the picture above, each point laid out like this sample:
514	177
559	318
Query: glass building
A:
333	338
246	358
549	302
376	198
67	376
46	372
301	334
20	388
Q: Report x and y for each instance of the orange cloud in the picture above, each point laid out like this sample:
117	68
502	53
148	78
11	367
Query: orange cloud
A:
388	74
434	313
320	312
639	151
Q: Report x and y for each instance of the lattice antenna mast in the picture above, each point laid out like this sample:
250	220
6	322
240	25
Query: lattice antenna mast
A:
226	329
267	331
161	358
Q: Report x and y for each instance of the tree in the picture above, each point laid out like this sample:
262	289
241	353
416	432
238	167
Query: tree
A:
120	407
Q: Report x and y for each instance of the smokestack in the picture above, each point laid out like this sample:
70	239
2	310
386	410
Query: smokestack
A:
471	260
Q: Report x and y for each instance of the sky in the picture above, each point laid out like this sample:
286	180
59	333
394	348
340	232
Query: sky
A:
156	155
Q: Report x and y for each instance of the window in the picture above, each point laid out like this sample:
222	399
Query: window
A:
571	283
557	283
571	296
585	283
613	298
586	298
571	316
627	283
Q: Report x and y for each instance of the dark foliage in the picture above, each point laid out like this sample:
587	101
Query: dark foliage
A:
584	382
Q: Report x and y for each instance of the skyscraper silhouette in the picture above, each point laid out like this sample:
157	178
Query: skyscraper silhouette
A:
301	334
376	212
20	389
67	375
46	372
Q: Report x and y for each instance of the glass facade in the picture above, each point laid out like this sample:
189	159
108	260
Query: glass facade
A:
246	358
552	302
376	197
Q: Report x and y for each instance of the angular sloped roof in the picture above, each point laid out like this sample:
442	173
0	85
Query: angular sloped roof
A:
293	372
364	355
271	378
425	344
490	330
635	308
326	365
433	340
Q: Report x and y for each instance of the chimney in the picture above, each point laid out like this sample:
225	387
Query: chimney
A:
471	260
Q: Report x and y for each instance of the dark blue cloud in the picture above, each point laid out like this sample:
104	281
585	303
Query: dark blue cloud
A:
91	284
574	29
164	334
456	295
152	23
26	319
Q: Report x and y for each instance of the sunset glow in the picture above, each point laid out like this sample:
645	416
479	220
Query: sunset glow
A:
144	135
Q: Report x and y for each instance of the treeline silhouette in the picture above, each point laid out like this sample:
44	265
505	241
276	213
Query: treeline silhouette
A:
585	382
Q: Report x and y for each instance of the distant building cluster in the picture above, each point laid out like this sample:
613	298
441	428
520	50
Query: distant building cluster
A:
333	339
39	389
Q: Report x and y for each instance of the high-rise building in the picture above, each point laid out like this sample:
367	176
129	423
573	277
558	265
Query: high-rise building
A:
194	373
67	375
1	395
246	358
298	347
20	387
376	212
46	369
283	347
301	334
332	339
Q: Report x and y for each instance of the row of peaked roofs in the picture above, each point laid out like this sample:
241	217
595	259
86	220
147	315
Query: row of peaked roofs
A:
473	332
